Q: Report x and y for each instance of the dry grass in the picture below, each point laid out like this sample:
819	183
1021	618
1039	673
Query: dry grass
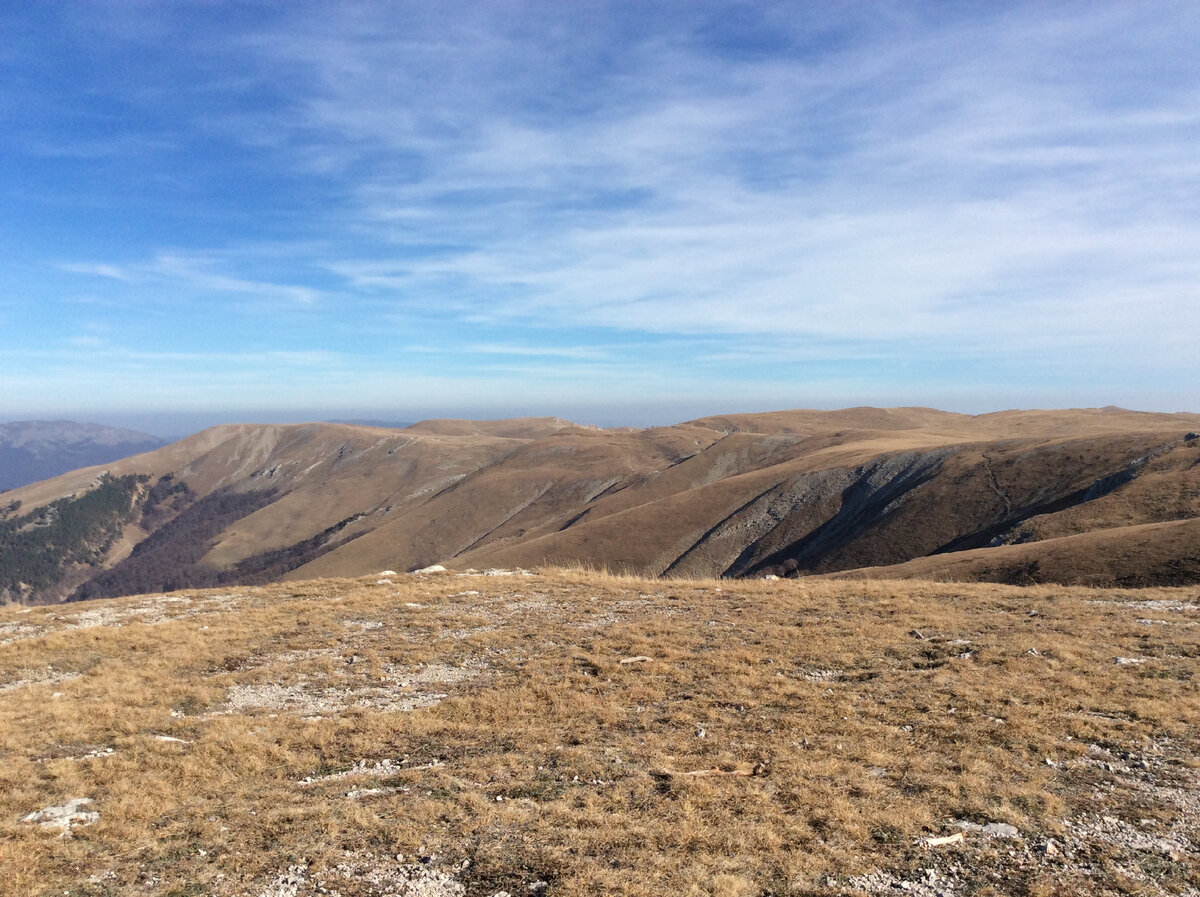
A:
871	714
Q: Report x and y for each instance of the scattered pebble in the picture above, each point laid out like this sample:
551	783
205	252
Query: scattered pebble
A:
366	875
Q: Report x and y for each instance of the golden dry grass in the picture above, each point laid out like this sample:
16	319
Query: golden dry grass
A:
870	714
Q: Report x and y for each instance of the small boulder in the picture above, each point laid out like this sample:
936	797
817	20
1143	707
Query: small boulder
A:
1001	830
65	816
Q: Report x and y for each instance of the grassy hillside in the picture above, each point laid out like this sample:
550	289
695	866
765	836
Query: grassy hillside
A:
577	734
1152	554
791	493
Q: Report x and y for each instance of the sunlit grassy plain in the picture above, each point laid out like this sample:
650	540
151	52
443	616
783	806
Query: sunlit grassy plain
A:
541	728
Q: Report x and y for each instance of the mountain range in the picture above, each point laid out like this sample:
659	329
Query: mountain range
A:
1089	496
37	450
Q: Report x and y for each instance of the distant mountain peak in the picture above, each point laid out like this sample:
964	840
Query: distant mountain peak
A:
33	450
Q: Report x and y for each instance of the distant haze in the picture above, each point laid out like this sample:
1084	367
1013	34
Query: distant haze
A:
37	450
172	425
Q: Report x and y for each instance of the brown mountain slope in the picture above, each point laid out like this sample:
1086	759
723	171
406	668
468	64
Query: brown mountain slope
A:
513	428
1150	554
793	492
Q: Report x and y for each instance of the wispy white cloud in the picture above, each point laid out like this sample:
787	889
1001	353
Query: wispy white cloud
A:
114	272
1014	189
581	353
113	350
916	188
196	273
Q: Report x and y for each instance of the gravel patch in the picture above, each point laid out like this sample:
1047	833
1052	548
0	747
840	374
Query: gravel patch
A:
319	694
365	875
1162	604
18	632
48	676
378	768
309	697
77	752
149	611
1159	854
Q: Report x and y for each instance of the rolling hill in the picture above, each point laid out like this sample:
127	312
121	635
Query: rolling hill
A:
1018	496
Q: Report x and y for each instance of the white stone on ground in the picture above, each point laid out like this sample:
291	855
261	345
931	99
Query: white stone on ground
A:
65	816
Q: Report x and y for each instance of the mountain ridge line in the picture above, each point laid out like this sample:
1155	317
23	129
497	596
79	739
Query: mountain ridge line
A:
784	493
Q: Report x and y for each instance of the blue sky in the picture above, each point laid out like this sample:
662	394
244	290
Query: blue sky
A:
617	212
